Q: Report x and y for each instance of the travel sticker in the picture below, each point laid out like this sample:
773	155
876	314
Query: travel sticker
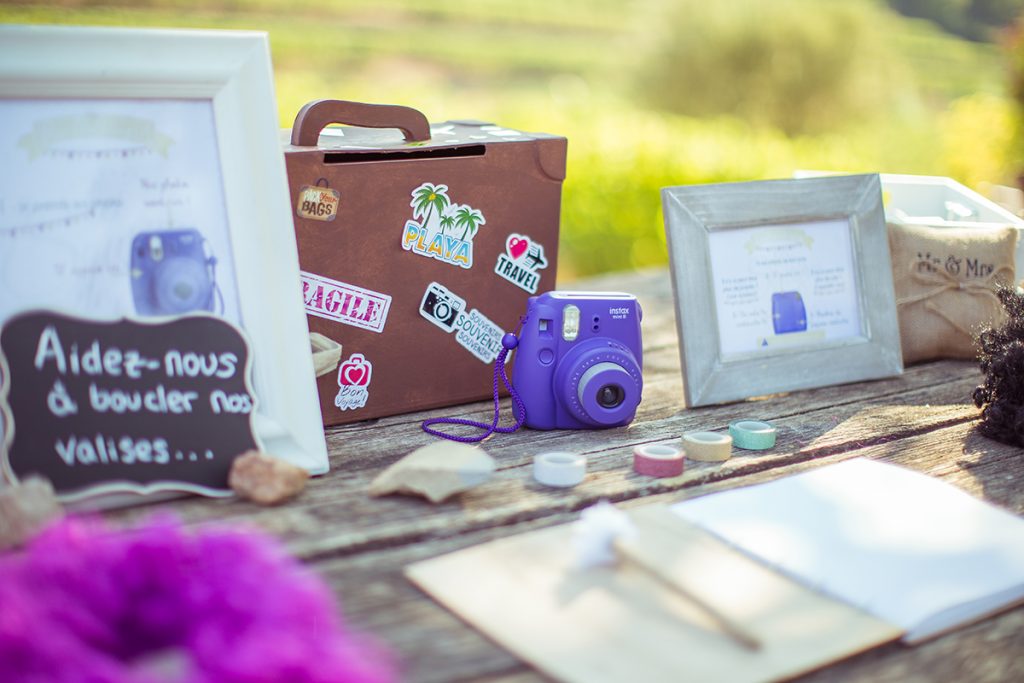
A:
318	202
353	382
474	331
440	228
344	303
521	262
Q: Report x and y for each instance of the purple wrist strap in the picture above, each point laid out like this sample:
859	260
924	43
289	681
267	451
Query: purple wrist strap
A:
508	342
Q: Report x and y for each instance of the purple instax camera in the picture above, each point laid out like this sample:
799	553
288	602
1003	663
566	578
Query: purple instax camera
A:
578	362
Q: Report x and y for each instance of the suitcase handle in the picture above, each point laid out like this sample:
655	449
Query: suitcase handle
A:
313	117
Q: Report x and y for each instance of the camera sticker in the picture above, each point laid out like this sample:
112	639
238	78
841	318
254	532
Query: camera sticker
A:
474	331
520	263
353	382
440	228
344	303
441	307
318	202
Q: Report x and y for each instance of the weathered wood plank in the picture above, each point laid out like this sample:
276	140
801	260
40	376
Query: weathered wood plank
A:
922	419
335	516
400	613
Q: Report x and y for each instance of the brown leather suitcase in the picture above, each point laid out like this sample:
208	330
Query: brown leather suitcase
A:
419	245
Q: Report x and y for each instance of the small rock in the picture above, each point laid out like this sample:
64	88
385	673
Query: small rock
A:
265	479
436	472
25	509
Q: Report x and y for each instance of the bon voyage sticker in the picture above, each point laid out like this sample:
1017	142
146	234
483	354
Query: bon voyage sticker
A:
353	383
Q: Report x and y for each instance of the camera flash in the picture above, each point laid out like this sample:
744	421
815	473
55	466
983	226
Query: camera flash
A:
570	323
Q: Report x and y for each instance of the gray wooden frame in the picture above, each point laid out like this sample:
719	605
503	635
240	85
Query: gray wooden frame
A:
693	212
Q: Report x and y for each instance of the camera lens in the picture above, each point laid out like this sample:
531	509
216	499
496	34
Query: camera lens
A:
610	396
442	311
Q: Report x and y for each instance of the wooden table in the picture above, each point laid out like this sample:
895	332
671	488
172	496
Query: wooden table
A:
923	419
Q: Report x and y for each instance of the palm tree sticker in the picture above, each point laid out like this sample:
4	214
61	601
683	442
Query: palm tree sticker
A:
434	214
429	198
469	219
447	221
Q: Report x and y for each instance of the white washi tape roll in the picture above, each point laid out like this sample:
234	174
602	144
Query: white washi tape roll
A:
559	469
707	446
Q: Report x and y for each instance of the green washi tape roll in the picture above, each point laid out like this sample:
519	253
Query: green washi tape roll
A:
752	435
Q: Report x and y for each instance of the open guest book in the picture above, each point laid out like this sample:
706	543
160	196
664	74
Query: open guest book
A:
818	567
909	549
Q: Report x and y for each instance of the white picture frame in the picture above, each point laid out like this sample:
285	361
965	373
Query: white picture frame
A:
780	285
232	71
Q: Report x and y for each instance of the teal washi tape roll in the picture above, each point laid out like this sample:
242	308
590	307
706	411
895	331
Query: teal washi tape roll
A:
752	435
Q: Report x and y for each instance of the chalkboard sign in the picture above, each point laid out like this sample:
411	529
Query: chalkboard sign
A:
100	407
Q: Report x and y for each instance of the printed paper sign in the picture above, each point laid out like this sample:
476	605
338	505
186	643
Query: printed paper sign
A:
317	202
473	330
441	229
124	405
785	285
521	261
344	303
353	383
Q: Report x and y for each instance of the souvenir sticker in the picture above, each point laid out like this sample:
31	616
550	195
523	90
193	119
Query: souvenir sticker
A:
318	202
521	261
440	228
474	331
353	382
344	303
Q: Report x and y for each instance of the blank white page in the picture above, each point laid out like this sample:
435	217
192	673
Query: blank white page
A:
907	548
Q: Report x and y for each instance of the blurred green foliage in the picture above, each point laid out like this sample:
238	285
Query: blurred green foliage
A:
784	64
972	19
745	89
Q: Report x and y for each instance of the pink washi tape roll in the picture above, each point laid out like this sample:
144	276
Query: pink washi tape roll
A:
658	460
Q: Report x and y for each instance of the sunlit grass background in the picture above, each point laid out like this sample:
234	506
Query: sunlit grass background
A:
652	93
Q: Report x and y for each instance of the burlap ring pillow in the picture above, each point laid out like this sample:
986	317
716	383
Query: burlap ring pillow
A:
945	281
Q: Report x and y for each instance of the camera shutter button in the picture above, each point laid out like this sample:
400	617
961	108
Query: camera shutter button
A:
546	356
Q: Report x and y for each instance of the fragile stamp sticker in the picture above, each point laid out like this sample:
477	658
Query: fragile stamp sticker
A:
474	331
441	228
353	383
344	303
521	262
318	202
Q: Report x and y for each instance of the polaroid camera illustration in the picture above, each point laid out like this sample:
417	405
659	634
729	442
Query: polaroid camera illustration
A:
788	312
171	273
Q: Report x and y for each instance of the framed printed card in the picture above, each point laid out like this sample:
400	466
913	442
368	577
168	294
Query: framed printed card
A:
151	323
780	285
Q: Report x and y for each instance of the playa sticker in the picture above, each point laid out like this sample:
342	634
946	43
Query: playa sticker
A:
521	262
353	382
474	331
344	303
440	228
318	202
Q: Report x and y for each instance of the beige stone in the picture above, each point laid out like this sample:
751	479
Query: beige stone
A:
436	472
265	479
25	509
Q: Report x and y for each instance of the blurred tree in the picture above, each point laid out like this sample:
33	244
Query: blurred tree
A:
971	19
798	65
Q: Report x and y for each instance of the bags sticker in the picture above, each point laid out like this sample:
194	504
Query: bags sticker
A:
344	303
318	202
353	382
520	263
441	229
474	331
